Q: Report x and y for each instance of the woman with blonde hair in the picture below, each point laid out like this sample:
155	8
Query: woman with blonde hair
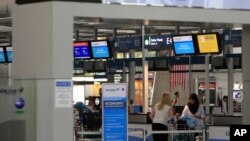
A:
160	114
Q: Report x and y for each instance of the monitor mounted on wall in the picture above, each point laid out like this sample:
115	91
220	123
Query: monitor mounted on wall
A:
9	53
82	50
208	43
2	55
184	44
101	49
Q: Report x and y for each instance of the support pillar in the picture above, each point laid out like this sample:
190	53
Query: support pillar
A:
246	74
145	73
42	44
132	76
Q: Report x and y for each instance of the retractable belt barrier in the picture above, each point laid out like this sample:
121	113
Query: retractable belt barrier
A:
145	132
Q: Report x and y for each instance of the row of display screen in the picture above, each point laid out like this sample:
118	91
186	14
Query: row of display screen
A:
6	54
92	49
205	43
191	44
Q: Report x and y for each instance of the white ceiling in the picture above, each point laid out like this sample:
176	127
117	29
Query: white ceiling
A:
87	27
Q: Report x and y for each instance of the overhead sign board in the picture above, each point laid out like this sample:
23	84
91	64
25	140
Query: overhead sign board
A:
232	37
128	43
157	41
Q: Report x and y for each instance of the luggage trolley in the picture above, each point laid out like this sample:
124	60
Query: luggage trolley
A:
182	125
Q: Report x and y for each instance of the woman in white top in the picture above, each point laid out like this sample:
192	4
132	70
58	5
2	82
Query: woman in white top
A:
160	115
195	109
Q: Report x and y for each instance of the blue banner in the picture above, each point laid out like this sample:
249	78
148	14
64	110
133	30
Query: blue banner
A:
114	112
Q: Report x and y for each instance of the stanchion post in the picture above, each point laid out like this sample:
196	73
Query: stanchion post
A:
204	135
144	132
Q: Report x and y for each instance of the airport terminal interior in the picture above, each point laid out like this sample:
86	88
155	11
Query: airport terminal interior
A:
56	74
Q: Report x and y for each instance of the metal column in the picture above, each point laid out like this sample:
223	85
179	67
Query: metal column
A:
145	72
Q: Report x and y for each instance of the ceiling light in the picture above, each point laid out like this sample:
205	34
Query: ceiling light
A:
89	79
126	31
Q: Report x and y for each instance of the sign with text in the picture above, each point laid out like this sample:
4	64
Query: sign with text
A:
81	50
63	93
158	41
114	112
232	37
183	44
127	43
208	43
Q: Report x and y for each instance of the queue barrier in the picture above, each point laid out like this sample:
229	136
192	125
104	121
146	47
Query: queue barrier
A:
172	132
82	133
85	135
143	133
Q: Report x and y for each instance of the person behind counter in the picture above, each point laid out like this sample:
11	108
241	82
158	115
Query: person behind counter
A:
160	114
131	106
176	100
224	104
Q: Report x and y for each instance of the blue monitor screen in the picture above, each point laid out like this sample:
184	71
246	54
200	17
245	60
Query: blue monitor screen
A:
183	45
81	50
9	53
100	49
2	56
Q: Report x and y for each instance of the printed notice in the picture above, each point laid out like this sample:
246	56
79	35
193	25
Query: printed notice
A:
63	93
114	112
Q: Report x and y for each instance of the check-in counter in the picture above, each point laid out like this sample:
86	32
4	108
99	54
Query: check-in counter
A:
137	123
139	118
223	120
219	126
218	133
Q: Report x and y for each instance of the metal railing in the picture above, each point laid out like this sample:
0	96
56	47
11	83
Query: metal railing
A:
143	133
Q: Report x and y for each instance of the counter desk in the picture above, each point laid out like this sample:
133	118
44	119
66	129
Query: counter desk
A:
223	120
137	123
219	126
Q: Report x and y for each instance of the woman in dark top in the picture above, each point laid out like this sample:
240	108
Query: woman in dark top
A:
195	110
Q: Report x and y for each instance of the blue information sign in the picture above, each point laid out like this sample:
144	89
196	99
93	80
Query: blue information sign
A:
114	112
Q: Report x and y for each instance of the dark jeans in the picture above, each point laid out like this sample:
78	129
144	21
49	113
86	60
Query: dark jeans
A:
159	127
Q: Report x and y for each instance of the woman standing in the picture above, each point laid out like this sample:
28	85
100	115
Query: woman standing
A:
160	114
195	109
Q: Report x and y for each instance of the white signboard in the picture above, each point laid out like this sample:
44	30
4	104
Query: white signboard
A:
63	93
219	133
114	109
218	4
